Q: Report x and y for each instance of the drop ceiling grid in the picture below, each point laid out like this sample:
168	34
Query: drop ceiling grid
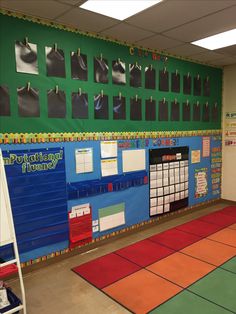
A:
172	33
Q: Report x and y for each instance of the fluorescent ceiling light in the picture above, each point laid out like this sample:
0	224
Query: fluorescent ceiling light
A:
118	9
217	41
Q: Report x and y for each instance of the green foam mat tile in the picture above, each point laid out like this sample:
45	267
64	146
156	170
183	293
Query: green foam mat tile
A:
218	287
230	265
187	302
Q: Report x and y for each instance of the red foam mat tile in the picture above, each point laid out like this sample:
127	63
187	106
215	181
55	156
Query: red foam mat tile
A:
219	219
230	210
144	252
175	239
105	270
199	227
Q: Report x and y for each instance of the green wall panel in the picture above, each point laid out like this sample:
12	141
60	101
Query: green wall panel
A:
12	29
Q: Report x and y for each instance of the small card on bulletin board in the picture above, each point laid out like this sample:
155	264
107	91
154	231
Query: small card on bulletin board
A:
109	167
108	149
195	156
84	160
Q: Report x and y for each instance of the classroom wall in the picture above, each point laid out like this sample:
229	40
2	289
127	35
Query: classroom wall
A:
46	189
229	151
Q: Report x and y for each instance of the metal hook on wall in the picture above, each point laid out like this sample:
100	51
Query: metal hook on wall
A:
28	86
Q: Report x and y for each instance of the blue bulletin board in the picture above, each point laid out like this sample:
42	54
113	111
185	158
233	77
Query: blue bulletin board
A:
41	200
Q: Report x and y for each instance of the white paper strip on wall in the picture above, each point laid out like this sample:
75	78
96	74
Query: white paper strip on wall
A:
108	149
5	228
6	231
133	160
109	167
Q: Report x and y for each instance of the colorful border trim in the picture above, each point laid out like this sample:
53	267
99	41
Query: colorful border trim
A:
23	138
72	29
115	233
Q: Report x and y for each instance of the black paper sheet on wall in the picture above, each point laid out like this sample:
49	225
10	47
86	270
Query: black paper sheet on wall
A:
135	109
175	82
175	114
56	104
101	107
197	86
79	66
28	102
206	87
119	108
118	72
186	111
55	61
100	70
196	112
79	105
4	101
187	84
150	78
135	75
214	112
163	112
150	110
164	81
26	57
206	113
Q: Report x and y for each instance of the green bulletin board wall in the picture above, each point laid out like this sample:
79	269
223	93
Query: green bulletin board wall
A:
12	29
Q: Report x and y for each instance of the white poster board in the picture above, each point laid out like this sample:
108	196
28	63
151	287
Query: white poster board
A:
6	233
134	160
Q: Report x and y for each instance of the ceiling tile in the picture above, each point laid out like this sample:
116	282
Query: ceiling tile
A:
186	50
207	26
49	9
159	42
207	56
224	61
229	51
169	14
86	20
126	32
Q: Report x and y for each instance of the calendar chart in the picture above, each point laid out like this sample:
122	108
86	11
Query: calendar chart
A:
168	179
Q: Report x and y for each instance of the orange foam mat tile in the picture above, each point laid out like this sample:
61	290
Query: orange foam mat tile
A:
210	251
226	236
142	291
232	227
181	269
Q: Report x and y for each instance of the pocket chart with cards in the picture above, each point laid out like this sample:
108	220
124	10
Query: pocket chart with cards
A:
168	179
